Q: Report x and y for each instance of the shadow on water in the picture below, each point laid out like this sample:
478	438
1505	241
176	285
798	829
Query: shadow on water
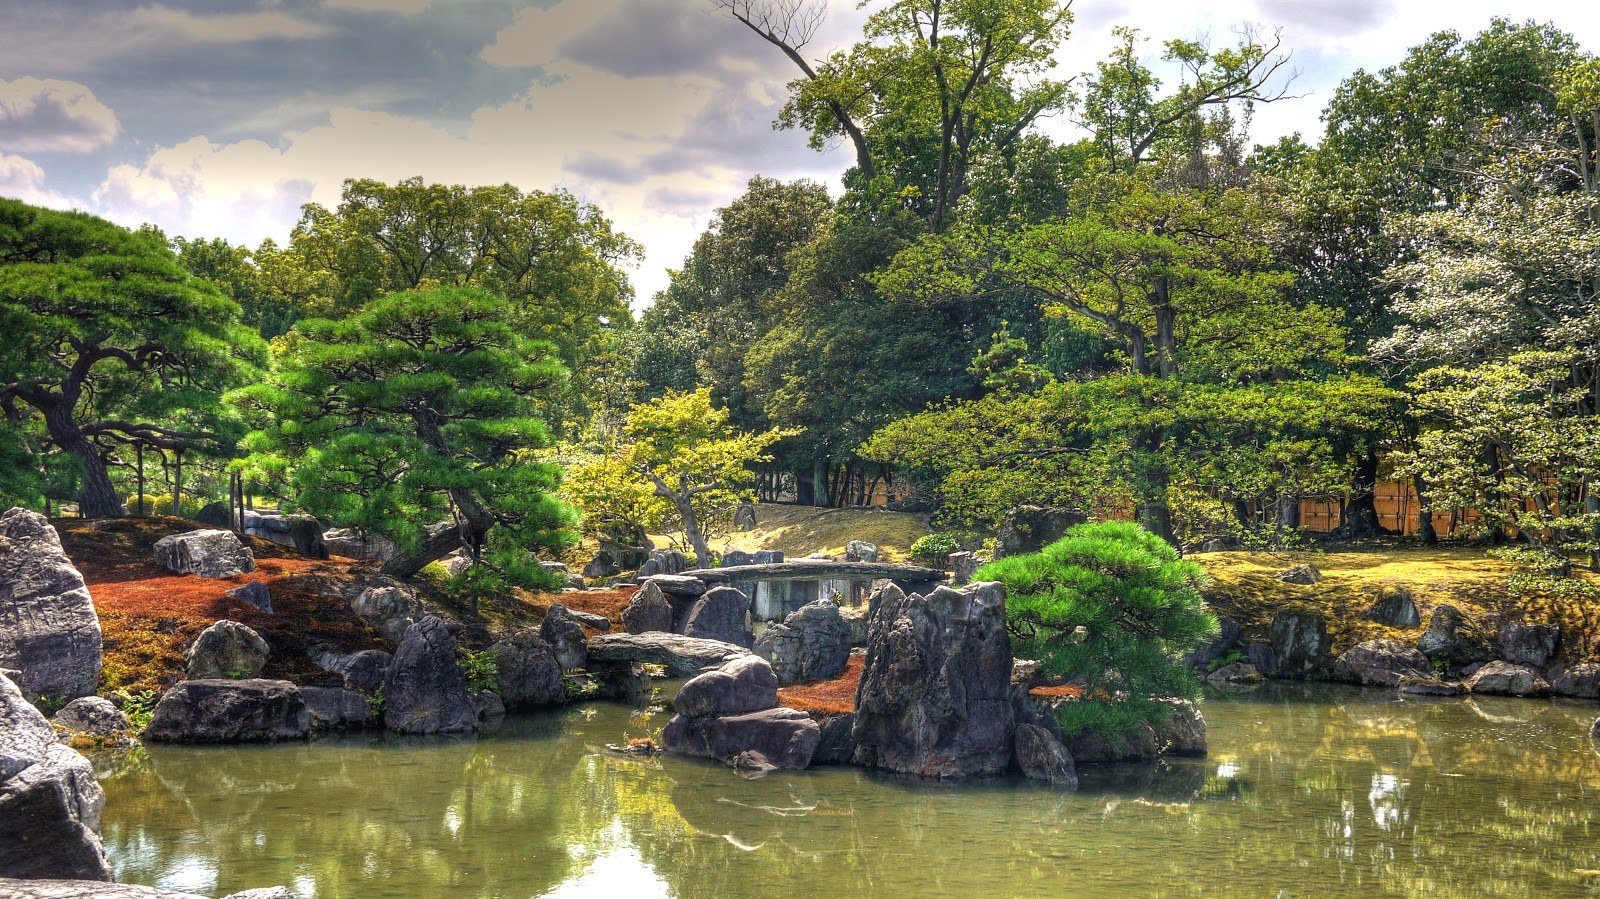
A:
1309	790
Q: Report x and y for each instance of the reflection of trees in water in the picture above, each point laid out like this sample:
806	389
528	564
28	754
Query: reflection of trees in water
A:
1306	789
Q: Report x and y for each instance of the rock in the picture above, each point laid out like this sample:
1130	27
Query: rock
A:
1184	733
1385	662
216	514
963	565
1506	679
934	698
602	565
1237	673
681	656
1395	608
50	803
860	551
1300	642
49	633
391	610
254	594
366	670
353	544
1203	655
1026	710
1303	575
1427	686
787	738
95	717
678	584
305	535
208	553
1533	645
1137	745
589	619
1263	658
746	684
527	671
226	649
1041	756
229	711
457	563
620	681
1454	637
1579	682
1594	730
335	708
669	561
565	634
723	613
648	610
424	691
835	745
1028	529
488	705
811	644
859	621
744	517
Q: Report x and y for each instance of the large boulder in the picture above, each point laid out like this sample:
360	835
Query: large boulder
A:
1506	679
1578	682
784	738
934	697
743	685
1385	662
648	610
1184	731
527	672
229	711
837	742
681	656
209	553
1042	756
1300	642
49	633
1395	608
1453	637
564	632
723	613
335	708
50	803
812	643
676	584
362	670
226	649
1533	645
391	610
94	717
1028	529
425	691
353	544
305	535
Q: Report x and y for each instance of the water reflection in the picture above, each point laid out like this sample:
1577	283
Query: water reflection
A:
1308	790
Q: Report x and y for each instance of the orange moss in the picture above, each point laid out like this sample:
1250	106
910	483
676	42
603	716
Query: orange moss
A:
1065	691
833	696
608	603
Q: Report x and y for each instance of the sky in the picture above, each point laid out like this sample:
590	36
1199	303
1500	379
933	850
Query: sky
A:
221	119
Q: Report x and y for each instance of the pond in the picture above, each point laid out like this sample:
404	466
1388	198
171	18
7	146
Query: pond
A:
1309	791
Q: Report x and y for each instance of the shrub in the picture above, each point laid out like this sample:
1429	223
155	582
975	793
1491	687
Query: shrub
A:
138	705
482	670
1112	606
934	550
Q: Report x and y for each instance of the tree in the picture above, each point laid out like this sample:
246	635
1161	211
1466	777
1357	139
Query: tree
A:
682	447
1109	607
417	409
112	343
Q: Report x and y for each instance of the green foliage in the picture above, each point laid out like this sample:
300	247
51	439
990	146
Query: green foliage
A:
376	704
481	669
1110	606
1233	657
138	705
934	550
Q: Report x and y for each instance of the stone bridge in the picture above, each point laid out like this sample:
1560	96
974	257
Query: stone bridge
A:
769	584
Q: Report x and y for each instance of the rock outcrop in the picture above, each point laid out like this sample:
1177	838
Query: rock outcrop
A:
49	633
527	671
723	613
681	656
226	649
50	803
391	610
564	632
207	553
1533	645
1300	642
812	643
424	690
1385	662
934	698
648	610
229	711
1454	638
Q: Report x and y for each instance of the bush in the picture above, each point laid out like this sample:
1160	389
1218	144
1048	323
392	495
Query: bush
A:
161	504
934	550
482	670
1111	606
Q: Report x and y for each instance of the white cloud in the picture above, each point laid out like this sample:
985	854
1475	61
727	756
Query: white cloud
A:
50	115
402	7
170	25
23	179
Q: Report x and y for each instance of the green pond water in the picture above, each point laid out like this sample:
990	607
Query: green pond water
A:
1308	791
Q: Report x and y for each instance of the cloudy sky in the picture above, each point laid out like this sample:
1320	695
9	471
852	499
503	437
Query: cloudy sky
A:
222	123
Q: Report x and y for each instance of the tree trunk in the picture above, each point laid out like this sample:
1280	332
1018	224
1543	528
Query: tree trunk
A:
98	498
443	538
1361	512
692	532
177	482
819	482
1425	530
1153	510
138	450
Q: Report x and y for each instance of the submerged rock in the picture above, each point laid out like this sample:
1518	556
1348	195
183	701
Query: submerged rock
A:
812	643
207	553
1427	686
934	698
424	691
50	803
229	711
49	633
